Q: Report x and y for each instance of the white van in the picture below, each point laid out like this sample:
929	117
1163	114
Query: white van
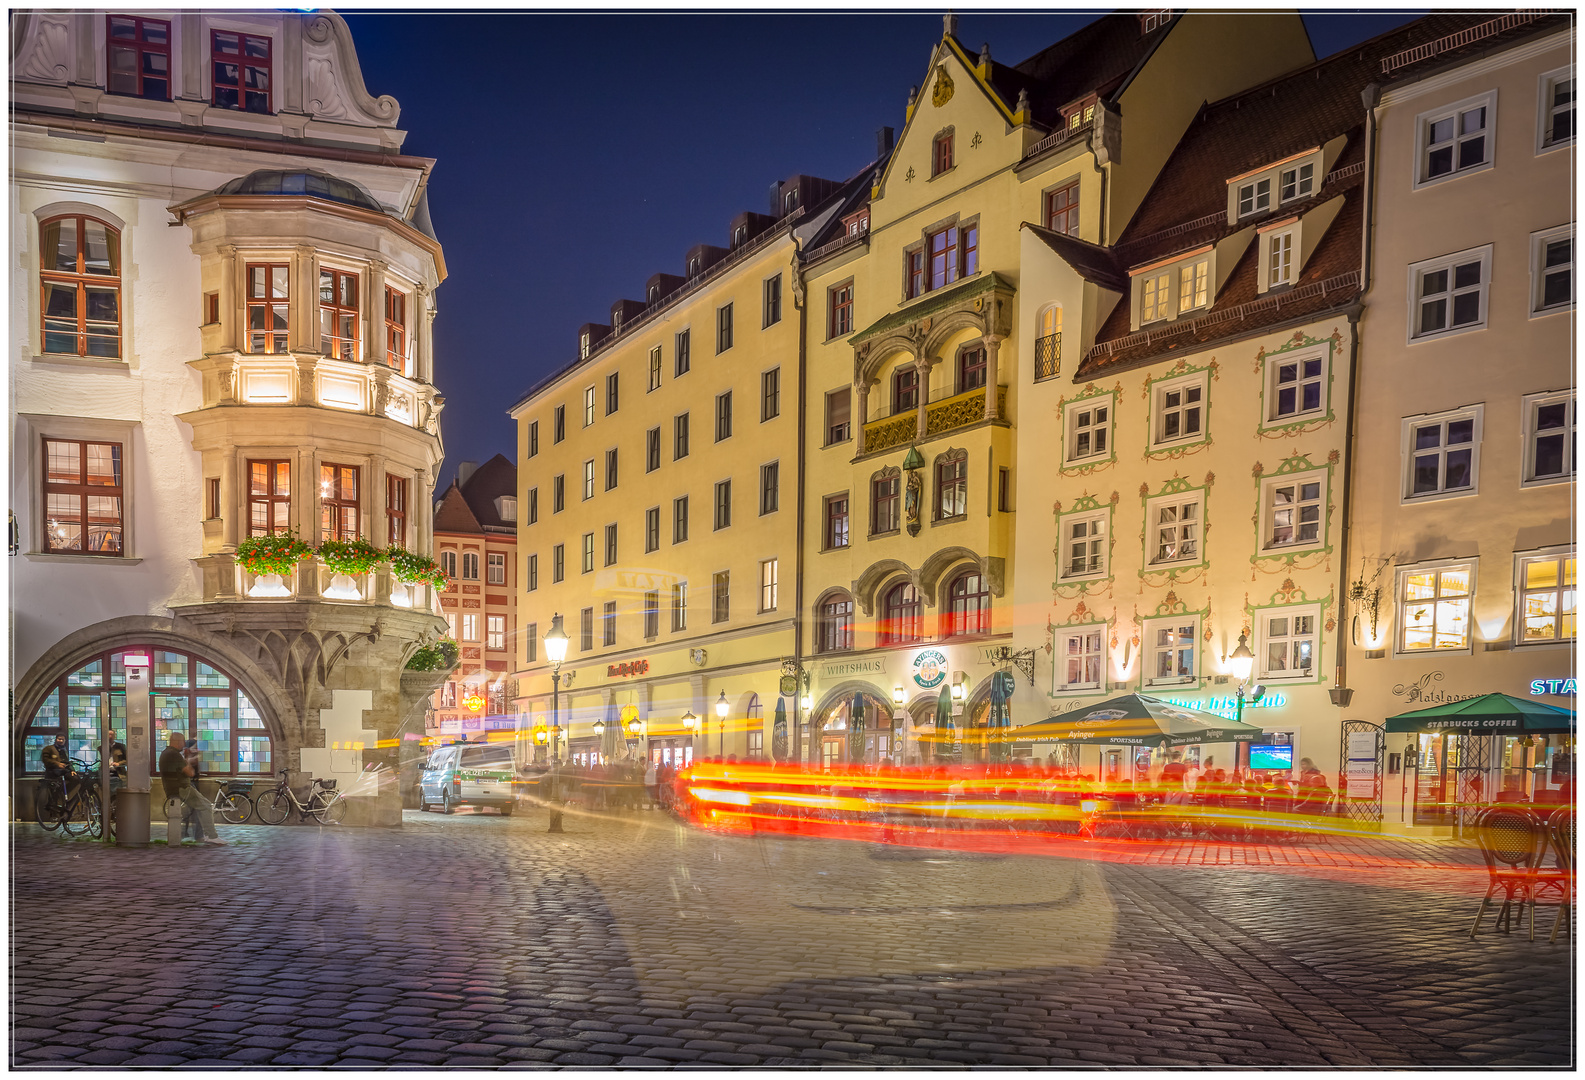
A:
468	774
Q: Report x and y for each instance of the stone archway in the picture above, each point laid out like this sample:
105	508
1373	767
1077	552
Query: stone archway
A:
836	702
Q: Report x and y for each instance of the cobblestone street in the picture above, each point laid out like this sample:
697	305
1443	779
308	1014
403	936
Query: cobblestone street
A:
477	940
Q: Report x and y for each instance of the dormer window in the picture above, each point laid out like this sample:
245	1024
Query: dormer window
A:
1079	114
739	235
654	293
506	507
1151	21
1298	183
1153	297
1173	289
693	267
1279	259
1254	198
790	201
1193	285
583	345
1295	177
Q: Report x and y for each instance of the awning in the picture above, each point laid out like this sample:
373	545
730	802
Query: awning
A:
1488	714
1137	720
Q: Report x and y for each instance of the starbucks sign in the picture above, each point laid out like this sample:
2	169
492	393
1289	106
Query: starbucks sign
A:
929	668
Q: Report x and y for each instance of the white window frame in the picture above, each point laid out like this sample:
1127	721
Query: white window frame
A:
588	480
1298	358
768	585
451	625
1059	667
1158	409
1400	604
1288	238
589	395
1303	186
1419	270
1072	429
1160	283
1256	206
1153	528
1538	246
1543	108
495	632
1524	559
1455	109
495	568
1406	489
654	369
1530	404
1269	509
1200	291
1264	640
1096	529
1152	650
470	626
586	556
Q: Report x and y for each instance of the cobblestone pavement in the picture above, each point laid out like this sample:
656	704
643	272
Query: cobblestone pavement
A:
477	940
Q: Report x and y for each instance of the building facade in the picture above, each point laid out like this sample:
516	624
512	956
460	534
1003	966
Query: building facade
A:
223	285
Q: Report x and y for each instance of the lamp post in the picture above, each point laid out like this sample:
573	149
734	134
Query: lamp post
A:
555	652
688	721
899	725
1242	663
721	709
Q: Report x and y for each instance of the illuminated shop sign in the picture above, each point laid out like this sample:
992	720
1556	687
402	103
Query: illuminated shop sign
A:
1553	686
929	668
635	667
1227	707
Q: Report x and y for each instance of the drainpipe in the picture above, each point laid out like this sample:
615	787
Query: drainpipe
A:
794	737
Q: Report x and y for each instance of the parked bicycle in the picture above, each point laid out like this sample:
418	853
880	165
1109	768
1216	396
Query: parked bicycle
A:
229	804
74	810
325	804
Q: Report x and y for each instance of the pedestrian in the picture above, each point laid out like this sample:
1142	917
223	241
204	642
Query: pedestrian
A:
175	776
1172	777
651	782
195	761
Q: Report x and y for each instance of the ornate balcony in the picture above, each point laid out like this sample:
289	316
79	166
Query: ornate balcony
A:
941	417
225	581
312	379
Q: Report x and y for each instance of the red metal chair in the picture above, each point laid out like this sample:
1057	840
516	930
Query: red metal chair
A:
1560	837
1511	841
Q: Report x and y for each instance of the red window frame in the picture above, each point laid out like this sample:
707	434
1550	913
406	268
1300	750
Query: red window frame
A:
887	496
837	523
905	389
396	329
946	256
396	510
901	618
338	502
150	69
92	320
916	273
962	620
942	247
971	369
1062	209
952	476
269	497
941	156
841	310
836	625
338	313
93	502
269	312
242	67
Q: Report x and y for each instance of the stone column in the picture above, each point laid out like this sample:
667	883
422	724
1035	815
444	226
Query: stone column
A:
861	407
234	276
303	309
923	365
993	344
418	323
374	505
374	315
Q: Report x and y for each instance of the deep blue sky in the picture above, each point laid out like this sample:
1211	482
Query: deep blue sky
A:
579	154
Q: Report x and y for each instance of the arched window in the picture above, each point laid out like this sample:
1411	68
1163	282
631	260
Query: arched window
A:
187	694
968	605
470	566
1048	342
80	275
834	630
448	563
952	485
900	620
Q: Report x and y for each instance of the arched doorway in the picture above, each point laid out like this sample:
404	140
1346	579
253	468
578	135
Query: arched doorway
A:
839	739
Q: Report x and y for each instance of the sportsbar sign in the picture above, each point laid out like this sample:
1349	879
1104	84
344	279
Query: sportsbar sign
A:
622	671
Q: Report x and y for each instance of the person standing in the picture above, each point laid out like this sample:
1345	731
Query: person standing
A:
1172	777
175	775
195	761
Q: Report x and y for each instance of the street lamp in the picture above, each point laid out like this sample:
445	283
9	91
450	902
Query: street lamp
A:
555	652
1242	664
688	721
721	709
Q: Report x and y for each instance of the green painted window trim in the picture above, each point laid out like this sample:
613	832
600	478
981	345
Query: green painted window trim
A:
1107	625
1298	343
1087	504
1091	464
1181	370
1202	679
1295	598
1295	463
1178	485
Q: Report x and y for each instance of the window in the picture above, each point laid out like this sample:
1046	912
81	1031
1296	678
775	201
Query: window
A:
772	301
651	615
651	529
1154	296
80	274
610	469
83	497
723	328
588	553
1193	285
681	365
1254	198
756	744
495	632
533	438
531	642
558	562
139	62
1084	547
1081	659
608	623
941	154
1171	656
1549	437
723	416
835	625
770	394
679	520
533	576
1456	140
720	597
396	335
905	389
1297	183
838	428
1088	424
952	487
1004	490
1062	209
338	503
1279	259
1286	645
886	502
1450	293
588	406
584	343
946	256
611	384
679	606
836	523
212	507
1552	269
269	497
211	308
901	621
338	314
1180	406
495	568
560	424
1173	528
448	693
1151	21
652	449
241	71
1442	454
558	493
841	307
470	565
448	564
767	585
1556	112
586	629
1546	598
1433	607
654	368
1048	345
268	302
770	488
588	479
470	627
610	545
1292	510
723	504
971	369
968	606
679	437
1296	385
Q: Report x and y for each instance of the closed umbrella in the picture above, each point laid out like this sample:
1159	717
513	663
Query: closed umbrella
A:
944	734
778	739
1001	688
856	729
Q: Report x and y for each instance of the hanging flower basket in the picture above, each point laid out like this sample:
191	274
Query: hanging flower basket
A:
411	568
352	557
277	554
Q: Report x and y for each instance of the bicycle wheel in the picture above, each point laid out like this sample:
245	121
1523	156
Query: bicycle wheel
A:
82	814
273	806
328	807
47	806
235	808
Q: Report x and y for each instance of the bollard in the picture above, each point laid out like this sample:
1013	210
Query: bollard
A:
132	818
173	822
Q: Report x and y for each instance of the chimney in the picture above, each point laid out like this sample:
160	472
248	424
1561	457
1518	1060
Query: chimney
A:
883	142
465	470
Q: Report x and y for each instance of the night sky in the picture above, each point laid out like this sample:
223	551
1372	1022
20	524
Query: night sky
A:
579	154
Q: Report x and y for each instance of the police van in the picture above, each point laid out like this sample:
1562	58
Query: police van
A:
468	774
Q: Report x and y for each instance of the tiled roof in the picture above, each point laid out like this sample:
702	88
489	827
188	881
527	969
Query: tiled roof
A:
1094	58
454	514
489	481
1091	261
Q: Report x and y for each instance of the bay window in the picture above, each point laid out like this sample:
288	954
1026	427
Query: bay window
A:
338	502
338	314
269	296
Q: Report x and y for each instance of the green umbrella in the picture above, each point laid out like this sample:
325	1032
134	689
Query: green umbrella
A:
856	730
1488	714
778	739
1138	720
944	733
